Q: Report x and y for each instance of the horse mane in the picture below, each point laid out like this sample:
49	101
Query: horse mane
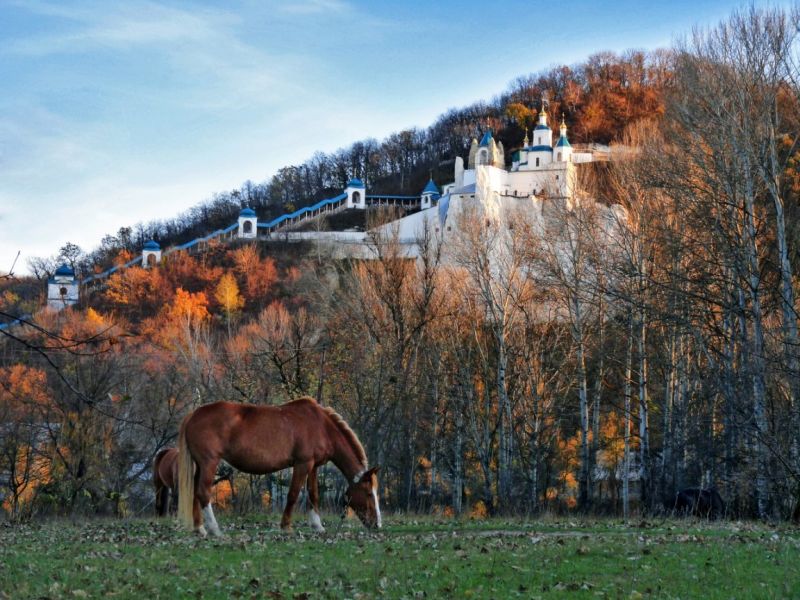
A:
348	433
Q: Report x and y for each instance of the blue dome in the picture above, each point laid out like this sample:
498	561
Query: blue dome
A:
540	149
487	137
431	188
541	128
152	245
64	271
355	182
563	142
247	212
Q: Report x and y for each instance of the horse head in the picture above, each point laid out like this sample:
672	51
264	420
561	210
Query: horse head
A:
362	497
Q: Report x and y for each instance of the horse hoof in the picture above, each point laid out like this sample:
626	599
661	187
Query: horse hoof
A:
201	531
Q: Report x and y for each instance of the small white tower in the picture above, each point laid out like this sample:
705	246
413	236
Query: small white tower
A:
248	221
430	195
151	254
356	194
563	150
541	152
62	288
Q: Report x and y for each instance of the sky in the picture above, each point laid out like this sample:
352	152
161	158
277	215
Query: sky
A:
115	113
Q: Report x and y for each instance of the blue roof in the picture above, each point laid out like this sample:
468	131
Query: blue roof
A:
541	128
563	142
355	182
487	137
152	245
65	271
247	212
540	149
430	188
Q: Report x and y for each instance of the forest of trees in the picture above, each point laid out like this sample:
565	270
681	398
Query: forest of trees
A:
666	358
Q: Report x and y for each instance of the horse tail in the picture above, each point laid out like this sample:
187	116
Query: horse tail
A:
186	466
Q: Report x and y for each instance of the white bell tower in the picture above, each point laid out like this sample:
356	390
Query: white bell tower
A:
63	288
356	194
430	195
248	221
151	254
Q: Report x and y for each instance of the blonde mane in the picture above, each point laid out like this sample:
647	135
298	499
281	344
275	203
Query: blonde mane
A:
349	434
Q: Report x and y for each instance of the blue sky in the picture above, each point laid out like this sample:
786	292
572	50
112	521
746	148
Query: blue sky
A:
118	113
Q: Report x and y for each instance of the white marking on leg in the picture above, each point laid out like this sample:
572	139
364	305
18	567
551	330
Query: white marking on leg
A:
315	521
208	517
201	531
377	506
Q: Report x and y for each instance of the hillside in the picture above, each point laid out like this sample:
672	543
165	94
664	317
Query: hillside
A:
599	98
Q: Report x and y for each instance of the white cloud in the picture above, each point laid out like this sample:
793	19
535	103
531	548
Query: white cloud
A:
313	7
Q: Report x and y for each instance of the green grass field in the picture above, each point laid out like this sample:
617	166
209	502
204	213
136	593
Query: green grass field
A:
409	558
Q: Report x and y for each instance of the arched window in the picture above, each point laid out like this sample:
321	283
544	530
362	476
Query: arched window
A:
356	197
537	161
151	258
483	156
247	227
63	291
559	157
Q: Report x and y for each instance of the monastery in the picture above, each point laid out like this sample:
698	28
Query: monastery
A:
542	176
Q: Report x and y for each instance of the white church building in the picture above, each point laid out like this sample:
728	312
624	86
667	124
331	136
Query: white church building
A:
542	175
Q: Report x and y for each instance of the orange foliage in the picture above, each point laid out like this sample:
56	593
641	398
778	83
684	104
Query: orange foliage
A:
23	387
188	308
223	494
137	289
259	275
122	257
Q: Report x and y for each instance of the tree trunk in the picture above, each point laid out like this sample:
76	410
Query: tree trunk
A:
626	456
584	481
644	412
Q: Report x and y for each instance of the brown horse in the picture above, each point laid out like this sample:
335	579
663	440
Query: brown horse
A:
165	478
264	439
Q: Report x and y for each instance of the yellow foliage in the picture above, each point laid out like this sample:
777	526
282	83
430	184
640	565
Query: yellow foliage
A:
478	512
95	318
227	294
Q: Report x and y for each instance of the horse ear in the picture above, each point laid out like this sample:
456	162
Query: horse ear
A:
368	474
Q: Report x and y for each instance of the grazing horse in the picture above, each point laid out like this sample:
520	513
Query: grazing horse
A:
264	439
699	502
165	478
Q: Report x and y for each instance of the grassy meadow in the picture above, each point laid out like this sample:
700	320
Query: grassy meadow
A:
409	558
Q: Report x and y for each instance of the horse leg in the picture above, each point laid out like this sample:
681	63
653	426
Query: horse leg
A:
313	498
299	474
159	499
203	483
197	515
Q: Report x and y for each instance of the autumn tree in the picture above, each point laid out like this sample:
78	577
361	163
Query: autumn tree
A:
227	295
